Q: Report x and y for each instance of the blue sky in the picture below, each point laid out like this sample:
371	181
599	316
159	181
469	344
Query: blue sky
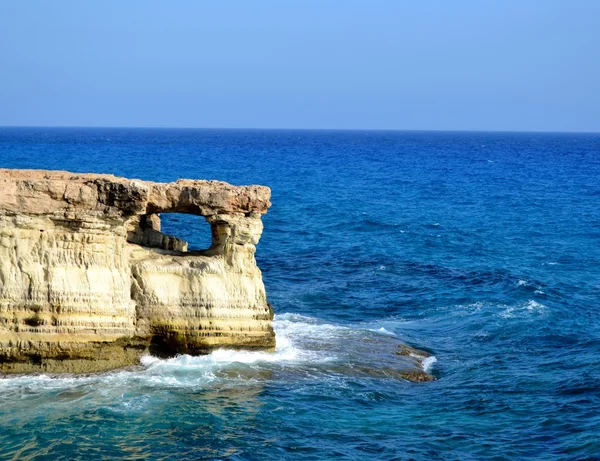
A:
344	64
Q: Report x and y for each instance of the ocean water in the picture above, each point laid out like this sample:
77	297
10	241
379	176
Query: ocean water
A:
482	248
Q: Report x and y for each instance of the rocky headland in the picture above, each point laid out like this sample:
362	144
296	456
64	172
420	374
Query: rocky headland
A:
88	282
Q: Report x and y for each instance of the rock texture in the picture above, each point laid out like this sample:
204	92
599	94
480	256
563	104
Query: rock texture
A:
419	375
88	282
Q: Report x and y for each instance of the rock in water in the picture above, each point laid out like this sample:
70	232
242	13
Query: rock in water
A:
88	282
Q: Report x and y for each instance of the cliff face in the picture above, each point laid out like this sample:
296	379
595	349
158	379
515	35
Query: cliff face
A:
88	282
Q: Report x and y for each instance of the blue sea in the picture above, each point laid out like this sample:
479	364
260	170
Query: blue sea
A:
481	248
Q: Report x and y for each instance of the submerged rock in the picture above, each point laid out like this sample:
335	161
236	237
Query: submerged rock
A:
406	350
417	376
419	356
88	282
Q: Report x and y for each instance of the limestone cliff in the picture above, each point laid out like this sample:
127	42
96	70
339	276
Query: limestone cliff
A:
88	282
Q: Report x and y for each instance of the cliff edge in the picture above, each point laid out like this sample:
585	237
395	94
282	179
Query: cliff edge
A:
88	282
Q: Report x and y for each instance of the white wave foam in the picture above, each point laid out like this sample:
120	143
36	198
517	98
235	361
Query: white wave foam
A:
522	283
428	363
535	306
530	307
290	316
290	330
304	344
219	357
382	331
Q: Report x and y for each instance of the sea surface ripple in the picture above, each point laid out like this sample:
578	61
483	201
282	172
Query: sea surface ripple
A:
481	248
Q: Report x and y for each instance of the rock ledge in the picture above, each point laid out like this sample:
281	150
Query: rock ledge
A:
88	282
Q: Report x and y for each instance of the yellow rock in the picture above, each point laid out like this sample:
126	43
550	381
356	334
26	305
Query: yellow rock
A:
88	282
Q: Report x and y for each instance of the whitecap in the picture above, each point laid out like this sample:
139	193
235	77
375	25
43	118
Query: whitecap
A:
382	331
530	307
535	306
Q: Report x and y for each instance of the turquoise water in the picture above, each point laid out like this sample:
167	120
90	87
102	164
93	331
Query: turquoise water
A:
481	248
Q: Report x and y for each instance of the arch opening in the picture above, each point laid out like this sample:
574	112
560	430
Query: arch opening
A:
189	227
171	231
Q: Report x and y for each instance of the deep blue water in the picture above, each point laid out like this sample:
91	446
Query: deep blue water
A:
483	248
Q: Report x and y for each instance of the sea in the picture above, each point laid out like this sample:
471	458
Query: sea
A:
481	248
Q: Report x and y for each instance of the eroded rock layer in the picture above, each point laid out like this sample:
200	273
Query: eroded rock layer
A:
88	282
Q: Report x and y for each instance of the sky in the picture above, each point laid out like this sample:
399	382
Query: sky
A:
505	65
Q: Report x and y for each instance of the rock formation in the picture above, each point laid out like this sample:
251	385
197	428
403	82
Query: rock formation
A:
88	282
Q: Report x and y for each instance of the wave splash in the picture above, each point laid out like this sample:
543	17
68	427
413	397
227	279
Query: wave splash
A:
306	347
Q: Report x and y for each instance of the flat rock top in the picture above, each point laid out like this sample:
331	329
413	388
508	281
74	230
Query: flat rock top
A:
49	191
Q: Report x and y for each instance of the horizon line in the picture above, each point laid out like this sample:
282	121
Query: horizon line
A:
421	130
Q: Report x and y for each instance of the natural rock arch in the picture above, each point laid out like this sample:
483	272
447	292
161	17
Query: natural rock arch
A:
89	282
